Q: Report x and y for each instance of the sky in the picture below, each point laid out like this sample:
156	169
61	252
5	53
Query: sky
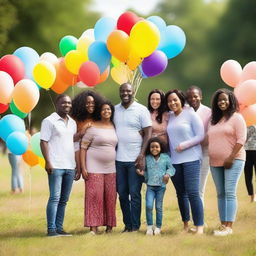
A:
114	8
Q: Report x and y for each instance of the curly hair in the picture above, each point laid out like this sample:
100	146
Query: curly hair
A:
161	143
162	108
98	110
217	113
180	95
79	112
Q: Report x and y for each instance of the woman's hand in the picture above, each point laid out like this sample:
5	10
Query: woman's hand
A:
166	178
228	162
85	174
140	172
179	149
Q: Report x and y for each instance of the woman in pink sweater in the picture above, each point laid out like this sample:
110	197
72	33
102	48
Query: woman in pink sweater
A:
226	135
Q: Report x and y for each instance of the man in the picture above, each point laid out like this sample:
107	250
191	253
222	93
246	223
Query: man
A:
57	134
133	127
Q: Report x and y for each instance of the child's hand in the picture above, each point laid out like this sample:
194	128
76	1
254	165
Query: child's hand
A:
140	172
165	178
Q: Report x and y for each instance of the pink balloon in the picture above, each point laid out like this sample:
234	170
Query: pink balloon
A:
249	115
249	71
246	92
231	72
89	73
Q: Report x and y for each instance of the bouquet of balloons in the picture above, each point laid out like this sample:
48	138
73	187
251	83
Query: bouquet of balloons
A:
244	83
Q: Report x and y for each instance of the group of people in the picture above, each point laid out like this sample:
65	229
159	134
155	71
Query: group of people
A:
116	149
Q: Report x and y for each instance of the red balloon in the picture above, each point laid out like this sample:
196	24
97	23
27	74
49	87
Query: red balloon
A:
89	73
3	107
13	65
126	21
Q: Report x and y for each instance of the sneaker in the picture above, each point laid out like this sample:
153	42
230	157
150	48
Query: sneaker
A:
52	234
63	233
157	231
223	231
150	231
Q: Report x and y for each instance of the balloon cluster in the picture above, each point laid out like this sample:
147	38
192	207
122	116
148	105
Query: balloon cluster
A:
244	83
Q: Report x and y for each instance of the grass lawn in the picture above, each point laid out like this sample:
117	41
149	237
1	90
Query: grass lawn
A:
23	225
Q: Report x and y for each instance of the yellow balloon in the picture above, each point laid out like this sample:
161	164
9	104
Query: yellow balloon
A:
73	60
83	45
44	74
134	60
121	74
144	38
41	162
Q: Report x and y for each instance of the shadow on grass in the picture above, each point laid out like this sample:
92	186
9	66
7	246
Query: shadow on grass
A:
21	234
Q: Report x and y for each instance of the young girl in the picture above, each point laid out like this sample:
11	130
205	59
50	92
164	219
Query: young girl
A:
157	173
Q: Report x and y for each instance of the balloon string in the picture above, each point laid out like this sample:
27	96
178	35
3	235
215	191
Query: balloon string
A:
51	100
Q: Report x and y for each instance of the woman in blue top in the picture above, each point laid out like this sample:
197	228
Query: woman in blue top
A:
157	172
185	132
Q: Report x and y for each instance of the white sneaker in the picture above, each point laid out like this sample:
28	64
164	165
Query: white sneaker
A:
157	231
223	231
150	231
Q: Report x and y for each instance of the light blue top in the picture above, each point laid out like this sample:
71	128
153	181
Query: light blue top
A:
128	122
156	169
187	131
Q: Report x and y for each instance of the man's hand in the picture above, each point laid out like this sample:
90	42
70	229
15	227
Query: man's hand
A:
77	175
48	167
140	162
140	172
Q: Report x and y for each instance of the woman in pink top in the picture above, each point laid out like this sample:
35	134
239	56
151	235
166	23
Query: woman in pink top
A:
226	135
97	157
159	114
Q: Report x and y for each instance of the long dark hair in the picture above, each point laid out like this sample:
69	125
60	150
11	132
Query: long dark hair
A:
79	112
162	108
233	107
180	95
98	110
158	140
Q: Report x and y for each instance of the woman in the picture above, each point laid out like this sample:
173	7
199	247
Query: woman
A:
98	170
83	112
158	113
226	135
185	131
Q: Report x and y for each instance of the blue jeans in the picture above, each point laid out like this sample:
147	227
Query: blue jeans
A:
154	193
226	181
186	182
128	187
60	184
17	179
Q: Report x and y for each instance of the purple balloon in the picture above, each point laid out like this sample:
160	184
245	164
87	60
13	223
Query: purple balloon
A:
154	64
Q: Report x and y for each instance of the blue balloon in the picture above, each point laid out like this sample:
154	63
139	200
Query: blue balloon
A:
103	28
9	124
172	41
29	57
158	21
99	54
17	143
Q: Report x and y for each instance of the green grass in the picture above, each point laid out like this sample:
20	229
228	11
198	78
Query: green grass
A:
23	225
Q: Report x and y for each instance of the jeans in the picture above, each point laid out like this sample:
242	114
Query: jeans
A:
186	182
154	193
226	181
128	187
60	184
17	179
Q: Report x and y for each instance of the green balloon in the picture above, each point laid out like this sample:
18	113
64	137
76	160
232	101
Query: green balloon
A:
35	144
67	43
16	111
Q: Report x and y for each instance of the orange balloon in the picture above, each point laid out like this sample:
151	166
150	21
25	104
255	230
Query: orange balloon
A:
30	158
249	114
104	75
134	60
66	76
118	45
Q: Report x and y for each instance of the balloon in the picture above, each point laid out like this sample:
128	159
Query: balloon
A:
35	144
103	27
6	87
173	40
246	92
231	72
155	64
81	85
89	33
249	71
83	45
3	107
67	43
17	143
121	74
114	61
144	38
134	60
99	54
158	21
41	162
126	21
104	75
13	66
73	61
44	74
118	45
30	158
16	111
249	114
66	76
29	57
9	124
89	73
28	90
49	57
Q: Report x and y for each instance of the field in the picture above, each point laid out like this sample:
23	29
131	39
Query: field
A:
23	225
